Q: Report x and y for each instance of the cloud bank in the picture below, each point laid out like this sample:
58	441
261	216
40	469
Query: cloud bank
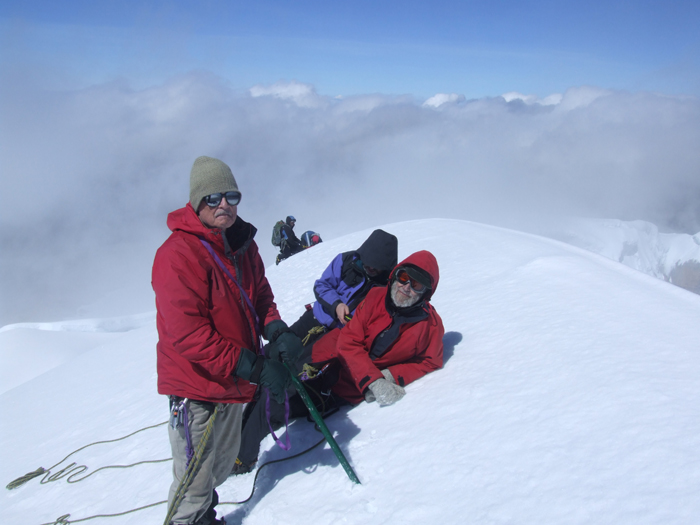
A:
89	175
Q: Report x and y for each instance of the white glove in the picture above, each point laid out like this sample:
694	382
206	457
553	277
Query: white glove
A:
369	396
385	392
388	376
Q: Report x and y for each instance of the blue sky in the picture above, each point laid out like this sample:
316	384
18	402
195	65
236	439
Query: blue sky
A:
475	48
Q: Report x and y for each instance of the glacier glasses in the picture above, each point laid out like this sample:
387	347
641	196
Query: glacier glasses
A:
232	197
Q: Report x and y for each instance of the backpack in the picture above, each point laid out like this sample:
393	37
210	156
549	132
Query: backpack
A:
277	233
310	238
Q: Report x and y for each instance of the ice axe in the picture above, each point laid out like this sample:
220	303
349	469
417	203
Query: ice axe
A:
322	425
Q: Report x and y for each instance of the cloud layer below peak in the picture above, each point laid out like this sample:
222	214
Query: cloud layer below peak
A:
89	169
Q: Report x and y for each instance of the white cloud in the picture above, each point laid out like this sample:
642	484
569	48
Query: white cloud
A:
303	95
550	100
104	166
581	97
443	98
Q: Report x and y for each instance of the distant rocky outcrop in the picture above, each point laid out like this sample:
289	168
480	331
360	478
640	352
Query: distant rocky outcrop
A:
687	275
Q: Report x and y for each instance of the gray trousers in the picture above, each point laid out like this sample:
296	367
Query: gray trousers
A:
217	459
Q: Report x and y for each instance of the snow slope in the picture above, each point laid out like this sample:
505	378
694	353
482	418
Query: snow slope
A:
30	349
569	396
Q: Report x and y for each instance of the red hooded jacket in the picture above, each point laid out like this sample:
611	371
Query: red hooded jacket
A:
203	320
416	351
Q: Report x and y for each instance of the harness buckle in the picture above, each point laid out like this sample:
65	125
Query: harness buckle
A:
177	406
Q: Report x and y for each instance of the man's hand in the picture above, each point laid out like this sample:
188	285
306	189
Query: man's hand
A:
387	375
260	370
369	396
275	376
287	347
274	329
284	345
341	311
385	392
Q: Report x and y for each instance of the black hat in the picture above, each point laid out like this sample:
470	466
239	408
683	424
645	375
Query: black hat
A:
380	251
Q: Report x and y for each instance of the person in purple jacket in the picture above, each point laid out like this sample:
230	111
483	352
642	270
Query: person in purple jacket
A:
341	288
345	283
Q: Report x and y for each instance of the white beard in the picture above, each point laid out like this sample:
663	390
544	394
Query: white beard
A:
400	300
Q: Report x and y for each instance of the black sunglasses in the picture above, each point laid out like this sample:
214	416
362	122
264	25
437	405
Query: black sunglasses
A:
232	197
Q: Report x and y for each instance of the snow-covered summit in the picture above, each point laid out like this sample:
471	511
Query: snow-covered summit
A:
569	395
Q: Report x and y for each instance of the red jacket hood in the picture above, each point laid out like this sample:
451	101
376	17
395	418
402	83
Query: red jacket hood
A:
427	262
187	220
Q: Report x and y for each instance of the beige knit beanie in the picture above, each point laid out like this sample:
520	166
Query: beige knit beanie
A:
209	176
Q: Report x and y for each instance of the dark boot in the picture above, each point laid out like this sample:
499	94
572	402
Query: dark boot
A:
209	517
242	468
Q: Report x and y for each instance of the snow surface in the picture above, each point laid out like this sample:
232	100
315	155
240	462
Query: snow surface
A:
569	395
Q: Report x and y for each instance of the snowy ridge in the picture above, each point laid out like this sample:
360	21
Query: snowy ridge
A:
569	395
28	350
111	324
672	257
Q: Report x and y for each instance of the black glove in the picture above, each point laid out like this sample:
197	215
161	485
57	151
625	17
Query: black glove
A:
287	348
274	329
284	345
260	370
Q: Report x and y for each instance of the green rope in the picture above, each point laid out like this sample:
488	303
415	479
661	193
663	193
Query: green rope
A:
23	479
63	520
69	470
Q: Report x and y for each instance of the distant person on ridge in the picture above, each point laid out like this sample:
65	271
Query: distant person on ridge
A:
213	304
394	338
310	238
289	243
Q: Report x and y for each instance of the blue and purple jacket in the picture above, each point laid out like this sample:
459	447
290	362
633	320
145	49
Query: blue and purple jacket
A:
345	280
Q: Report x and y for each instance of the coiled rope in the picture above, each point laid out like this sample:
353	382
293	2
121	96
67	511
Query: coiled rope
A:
71	471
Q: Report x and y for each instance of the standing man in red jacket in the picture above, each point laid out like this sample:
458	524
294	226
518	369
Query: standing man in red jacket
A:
214	303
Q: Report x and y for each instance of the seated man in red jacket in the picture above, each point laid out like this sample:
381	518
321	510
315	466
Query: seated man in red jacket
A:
394	338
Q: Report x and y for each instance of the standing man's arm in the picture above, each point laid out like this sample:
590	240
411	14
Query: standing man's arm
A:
182	292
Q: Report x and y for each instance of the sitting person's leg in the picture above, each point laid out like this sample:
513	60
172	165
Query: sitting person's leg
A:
256	427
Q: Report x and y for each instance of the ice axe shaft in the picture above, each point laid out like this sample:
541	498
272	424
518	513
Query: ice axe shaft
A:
322	425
